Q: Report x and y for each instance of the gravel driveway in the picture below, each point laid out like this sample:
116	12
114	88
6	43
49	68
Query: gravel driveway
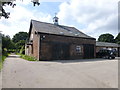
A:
94	73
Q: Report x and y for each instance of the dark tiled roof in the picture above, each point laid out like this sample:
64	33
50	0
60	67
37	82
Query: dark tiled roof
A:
44	27
106	44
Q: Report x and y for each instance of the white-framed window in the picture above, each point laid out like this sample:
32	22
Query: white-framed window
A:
78	49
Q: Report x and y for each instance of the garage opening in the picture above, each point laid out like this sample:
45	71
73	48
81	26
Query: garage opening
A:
60	51
88	51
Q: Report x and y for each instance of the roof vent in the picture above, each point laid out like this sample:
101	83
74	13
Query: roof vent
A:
61	33
76	34
70	32
55	20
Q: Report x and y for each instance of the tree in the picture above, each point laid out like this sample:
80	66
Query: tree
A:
19	39
20	44
117	39
106	38
20	36
7	45
7	42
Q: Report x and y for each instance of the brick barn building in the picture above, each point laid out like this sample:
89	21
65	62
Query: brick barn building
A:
57	42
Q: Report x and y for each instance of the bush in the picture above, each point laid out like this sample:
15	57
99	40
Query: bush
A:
2	59
0	66
29	58
4	55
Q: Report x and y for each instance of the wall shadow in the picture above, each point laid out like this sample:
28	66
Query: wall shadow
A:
80	60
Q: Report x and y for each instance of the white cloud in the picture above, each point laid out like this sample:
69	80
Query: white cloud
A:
20	19
53	0
96	16
23	2
93	17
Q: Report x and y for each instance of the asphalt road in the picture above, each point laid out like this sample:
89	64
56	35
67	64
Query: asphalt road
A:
88	73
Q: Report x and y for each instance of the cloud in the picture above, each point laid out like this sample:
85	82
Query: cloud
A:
93	17
20	19
53	0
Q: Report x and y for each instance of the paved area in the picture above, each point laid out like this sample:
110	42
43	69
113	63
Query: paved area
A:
94	73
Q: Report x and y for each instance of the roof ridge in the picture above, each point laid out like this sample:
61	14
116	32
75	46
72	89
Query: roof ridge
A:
51	23
106	42
40	21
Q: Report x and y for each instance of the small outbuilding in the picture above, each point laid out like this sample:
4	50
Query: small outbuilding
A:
106	45
49	41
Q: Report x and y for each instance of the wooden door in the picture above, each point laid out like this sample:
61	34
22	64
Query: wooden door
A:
88	51
60	51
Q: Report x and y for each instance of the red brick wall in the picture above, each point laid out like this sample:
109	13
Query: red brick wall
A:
46	51
33	49
36	40
74	54
67	39
46	46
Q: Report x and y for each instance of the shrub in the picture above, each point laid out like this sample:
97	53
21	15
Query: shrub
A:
2	59
29	58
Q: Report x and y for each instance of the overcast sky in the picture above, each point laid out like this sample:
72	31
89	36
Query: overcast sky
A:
93	17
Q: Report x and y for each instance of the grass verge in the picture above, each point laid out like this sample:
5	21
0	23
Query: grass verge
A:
2	59
26	57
